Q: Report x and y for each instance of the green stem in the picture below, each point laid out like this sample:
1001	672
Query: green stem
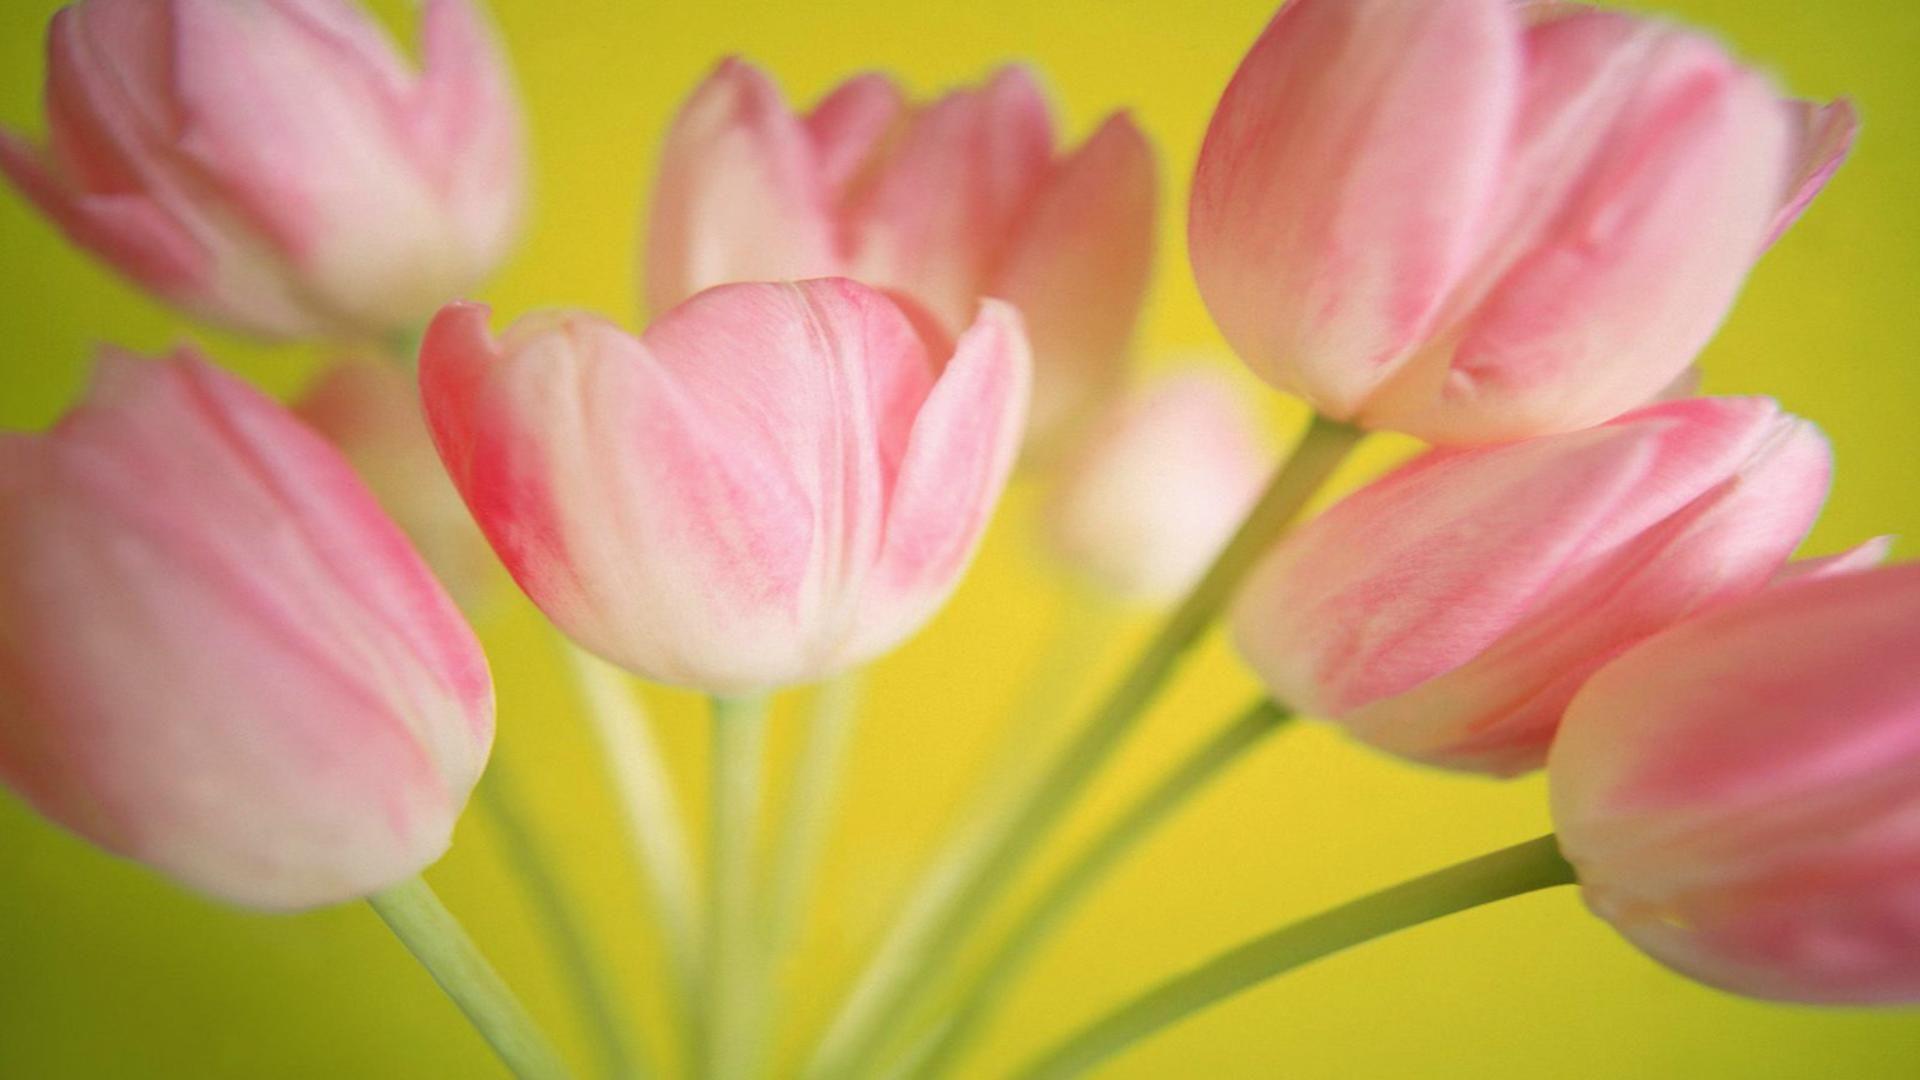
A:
1101	855
592	992
651	813
1523	868
918	946
435	938
733	1009
809	808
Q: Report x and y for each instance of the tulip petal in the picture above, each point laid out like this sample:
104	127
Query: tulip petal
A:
1447	611
1863	556
1825	135
1604	275
130	230
1739	792
326	711
961	449
738	197
468	122
934	218
1078	270
850	125
1344	180
1499	712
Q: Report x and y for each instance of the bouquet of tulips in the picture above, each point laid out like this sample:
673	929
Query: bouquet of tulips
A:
232	640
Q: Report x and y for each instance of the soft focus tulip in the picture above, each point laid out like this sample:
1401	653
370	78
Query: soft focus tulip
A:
1477	220
371	413
1448	611
774	483
277	166
1144	504
946	202
1741	795
217	656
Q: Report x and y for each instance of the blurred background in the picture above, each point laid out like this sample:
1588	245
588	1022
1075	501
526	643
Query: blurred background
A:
106	971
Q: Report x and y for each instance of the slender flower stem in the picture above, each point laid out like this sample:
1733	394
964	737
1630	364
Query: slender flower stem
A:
809	808
733	1011
435	938
918	946
1187	779
593	993
1522	868
1011	774
651	811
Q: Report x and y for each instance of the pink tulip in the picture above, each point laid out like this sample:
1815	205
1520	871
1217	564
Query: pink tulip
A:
371	413
1449	611
1741	794
945	202
276	166
772	484
217	656
1476	220
1141	507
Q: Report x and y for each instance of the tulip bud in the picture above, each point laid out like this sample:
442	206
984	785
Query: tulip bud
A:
1475	220
1448	611
371	413
772	484
278	168
1146	502
945	202
217	656
1739	794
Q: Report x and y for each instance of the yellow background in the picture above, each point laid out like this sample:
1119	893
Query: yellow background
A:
106	971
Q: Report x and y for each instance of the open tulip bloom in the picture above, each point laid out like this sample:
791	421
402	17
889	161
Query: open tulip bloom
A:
230	649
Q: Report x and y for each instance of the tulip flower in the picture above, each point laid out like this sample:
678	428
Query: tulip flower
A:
217	656
278	168
1144	504
1477	220
1739	793
945	202
772	484
1448	612
371	413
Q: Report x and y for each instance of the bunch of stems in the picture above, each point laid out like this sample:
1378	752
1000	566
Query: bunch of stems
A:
724	954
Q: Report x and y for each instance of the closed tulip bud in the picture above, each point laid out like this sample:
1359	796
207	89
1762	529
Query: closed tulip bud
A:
772	484
945	202
1448	611
1741	794
217	656
371	413
1144	504
1476	220
278	167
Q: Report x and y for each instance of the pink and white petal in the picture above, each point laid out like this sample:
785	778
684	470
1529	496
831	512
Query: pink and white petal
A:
850	127
1077	269
937	213
961	451
1617	277
129	231
1498	713
339	797
1698	740
1863	556
1824	135
1420	572
1344	181
470	132
739	195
